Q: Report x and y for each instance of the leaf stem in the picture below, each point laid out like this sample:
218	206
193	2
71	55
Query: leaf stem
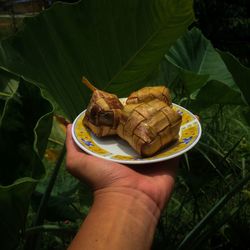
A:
5	94
49	228
43	204
34	241
195	232
55	141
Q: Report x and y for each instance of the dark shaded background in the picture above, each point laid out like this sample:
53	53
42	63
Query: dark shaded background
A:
225	22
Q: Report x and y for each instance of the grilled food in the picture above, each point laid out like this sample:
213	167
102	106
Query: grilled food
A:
149	93
149	126
103	113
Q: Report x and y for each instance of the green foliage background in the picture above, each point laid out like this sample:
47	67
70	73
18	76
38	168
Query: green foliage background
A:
122	46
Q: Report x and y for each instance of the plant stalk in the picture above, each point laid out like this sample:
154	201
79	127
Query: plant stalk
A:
193	235
33	242
49	228
5	94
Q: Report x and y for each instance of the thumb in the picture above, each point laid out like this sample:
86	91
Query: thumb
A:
92	170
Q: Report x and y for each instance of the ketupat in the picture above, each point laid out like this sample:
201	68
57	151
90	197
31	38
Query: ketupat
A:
147	94
103	112
147	121
148	127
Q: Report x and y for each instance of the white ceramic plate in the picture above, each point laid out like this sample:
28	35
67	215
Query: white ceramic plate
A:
115	149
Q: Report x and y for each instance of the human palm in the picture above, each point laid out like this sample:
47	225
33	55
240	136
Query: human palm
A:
154	180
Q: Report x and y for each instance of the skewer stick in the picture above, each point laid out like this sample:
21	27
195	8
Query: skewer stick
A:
88	84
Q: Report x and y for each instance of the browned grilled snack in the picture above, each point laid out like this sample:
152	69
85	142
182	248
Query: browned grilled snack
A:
149	126
103	113
149	93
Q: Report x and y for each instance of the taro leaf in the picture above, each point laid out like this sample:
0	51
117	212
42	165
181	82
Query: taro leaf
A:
198	64
14	203
240	73
85	195
7	83
217	92
58	131
24	129
65	185
116	44
59	207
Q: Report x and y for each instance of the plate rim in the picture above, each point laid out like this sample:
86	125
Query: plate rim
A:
140	161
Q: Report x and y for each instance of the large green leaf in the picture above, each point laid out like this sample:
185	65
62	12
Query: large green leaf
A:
14	204
240	73
193	52
8	84
217	92
59	208
25	124
199	66
24	129
116	44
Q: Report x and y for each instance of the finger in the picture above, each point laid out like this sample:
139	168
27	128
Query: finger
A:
75	158
198	117
167	168
158	168
92	170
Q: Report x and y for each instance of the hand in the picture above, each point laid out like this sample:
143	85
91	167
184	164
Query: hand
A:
154	180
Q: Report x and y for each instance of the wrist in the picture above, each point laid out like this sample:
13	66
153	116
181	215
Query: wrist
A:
129	213
120	218
132	200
